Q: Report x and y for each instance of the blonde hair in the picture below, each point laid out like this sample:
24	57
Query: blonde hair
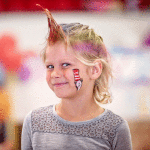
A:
76	35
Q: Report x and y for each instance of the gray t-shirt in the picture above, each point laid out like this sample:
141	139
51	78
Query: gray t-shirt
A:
43	129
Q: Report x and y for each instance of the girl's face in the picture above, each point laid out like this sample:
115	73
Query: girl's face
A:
63	69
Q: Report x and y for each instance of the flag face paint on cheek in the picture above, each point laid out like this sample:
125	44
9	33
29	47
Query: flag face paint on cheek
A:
78	80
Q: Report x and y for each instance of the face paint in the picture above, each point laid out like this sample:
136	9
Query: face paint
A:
78	80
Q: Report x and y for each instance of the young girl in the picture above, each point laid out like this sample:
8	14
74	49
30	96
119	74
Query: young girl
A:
78	72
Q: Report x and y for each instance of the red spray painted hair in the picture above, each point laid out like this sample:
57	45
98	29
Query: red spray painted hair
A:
55	31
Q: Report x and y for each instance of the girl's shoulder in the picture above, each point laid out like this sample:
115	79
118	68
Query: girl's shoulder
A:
42	110
38	113
114	120
111	121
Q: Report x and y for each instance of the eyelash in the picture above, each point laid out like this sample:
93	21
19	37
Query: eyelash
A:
67	64
63	65
48	66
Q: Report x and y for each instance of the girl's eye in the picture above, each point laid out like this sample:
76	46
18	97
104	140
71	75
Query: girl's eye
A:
65	64
50	66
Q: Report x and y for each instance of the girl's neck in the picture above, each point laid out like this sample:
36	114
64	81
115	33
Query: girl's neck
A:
78	109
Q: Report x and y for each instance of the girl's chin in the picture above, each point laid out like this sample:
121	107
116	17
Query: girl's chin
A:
67	92
65	95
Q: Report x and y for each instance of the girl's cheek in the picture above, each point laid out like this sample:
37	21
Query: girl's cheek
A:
48	75
69	75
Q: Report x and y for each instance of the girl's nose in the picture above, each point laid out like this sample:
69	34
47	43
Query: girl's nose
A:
56	73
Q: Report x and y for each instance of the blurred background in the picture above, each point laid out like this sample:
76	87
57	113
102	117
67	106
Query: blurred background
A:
125	28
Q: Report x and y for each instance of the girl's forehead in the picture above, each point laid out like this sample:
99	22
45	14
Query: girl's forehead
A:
59	51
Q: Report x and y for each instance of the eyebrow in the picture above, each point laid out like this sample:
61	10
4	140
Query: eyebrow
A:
61	61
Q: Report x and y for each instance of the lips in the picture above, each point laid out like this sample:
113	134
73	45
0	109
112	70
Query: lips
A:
60	84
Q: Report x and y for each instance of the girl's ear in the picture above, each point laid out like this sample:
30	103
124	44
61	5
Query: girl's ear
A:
96	70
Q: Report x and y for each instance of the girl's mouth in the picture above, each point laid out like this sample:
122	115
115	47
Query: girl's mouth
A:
60	84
